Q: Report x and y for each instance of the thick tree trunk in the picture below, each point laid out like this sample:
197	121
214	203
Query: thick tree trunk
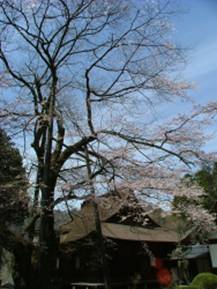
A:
47	244
101	245
23	272
47	237
102	249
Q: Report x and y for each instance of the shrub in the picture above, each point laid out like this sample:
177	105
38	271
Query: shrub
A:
204	281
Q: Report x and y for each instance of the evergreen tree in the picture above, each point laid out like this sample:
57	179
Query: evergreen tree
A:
207	179
13	184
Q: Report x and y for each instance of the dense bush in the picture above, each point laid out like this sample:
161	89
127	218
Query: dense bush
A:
205	281
201	281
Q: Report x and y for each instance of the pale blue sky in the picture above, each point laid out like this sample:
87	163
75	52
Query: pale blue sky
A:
196	29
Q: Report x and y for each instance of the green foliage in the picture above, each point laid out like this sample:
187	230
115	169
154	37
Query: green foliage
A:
13	184
201	281
205	281
185	287
207	179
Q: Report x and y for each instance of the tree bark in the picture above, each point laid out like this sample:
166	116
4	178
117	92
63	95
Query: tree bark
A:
102	249
47	236
101	245
23	272
48	244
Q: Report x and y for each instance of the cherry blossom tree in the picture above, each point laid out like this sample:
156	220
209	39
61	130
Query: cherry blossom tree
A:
81	82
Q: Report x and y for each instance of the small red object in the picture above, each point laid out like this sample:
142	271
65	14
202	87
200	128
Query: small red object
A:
164	277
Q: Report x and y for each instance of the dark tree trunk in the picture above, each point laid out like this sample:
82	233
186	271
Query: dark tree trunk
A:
47	237
23	272
47	243
101	245
101	248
